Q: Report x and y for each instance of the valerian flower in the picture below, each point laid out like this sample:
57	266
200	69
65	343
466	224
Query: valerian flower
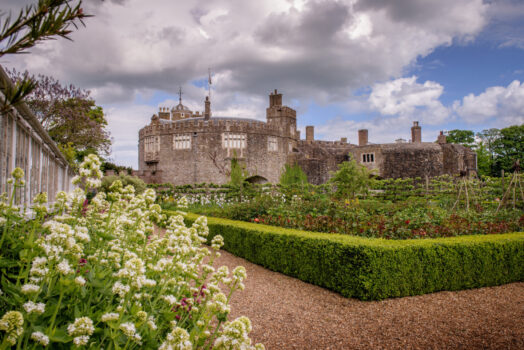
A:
178	339
12	324
40	338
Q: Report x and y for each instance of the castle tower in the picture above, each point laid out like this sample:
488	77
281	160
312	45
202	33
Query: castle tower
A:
282	116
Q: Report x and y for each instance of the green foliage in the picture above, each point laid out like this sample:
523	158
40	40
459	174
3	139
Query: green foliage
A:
374	269
134	181
484	160
508	148
461	137
69	152
238	173
293	175
106	165
350	179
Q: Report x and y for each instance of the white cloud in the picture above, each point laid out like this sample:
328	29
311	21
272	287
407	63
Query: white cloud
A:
501	105
306	48
311	50
406	98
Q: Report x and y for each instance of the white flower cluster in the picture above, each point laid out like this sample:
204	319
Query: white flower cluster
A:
12	324
110	316
234	335
81	330
89	172
110	242
32	307
177	339
40	338
129	330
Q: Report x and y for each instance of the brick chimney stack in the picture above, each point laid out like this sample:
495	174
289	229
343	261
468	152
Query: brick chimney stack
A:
310	133
416	133
363	137
441	138
207	110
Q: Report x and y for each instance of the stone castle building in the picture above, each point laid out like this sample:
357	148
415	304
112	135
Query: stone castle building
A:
180	146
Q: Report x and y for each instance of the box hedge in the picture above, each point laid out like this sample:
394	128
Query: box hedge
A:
374	269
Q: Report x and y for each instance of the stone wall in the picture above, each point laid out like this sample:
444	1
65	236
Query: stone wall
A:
411	160
207	160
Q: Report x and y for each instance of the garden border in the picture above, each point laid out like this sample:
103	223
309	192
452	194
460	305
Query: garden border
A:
375	268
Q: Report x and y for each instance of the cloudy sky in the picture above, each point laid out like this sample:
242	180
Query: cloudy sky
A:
343	65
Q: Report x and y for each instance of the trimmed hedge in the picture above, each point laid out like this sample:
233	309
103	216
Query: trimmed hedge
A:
374	269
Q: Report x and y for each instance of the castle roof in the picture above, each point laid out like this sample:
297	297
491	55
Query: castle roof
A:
164	121
181	107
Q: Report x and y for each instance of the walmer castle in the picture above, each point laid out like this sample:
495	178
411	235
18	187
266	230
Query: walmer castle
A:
183	147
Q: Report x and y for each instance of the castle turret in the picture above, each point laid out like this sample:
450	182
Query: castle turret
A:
416	133
284	116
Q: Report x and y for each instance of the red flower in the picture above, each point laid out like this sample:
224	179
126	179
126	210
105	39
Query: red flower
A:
407	222
256	220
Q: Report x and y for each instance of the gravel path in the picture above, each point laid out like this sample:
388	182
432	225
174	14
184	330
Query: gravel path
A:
289	314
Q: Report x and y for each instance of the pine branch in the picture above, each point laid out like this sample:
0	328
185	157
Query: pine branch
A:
35	23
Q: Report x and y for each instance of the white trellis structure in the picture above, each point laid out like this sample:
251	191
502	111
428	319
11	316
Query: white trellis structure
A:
25	144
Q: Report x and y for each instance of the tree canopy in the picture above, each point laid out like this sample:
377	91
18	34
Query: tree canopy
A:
497	149
461	137
69	115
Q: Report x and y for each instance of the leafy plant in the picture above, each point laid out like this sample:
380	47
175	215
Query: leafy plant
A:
98	275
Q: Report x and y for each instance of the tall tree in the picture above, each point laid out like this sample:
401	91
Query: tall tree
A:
69	115
508	148
461	137
485	155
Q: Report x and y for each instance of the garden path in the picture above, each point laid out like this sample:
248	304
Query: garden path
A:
287	313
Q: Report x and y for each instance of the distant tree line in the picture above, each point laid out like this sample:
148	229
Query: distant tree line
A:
497	149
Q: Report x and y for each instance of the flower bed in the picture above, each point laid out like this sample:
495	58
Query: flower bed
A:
373	269
95	275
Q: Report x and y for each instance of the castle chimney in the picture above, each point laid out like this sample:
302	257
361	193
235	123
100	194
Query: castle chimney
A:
441	138
163	113
207	110
310	133
416	133
275	99
344	139
363	137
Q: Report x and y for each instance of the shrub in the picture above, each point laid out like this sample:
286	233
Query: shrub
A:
134	181
374	269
